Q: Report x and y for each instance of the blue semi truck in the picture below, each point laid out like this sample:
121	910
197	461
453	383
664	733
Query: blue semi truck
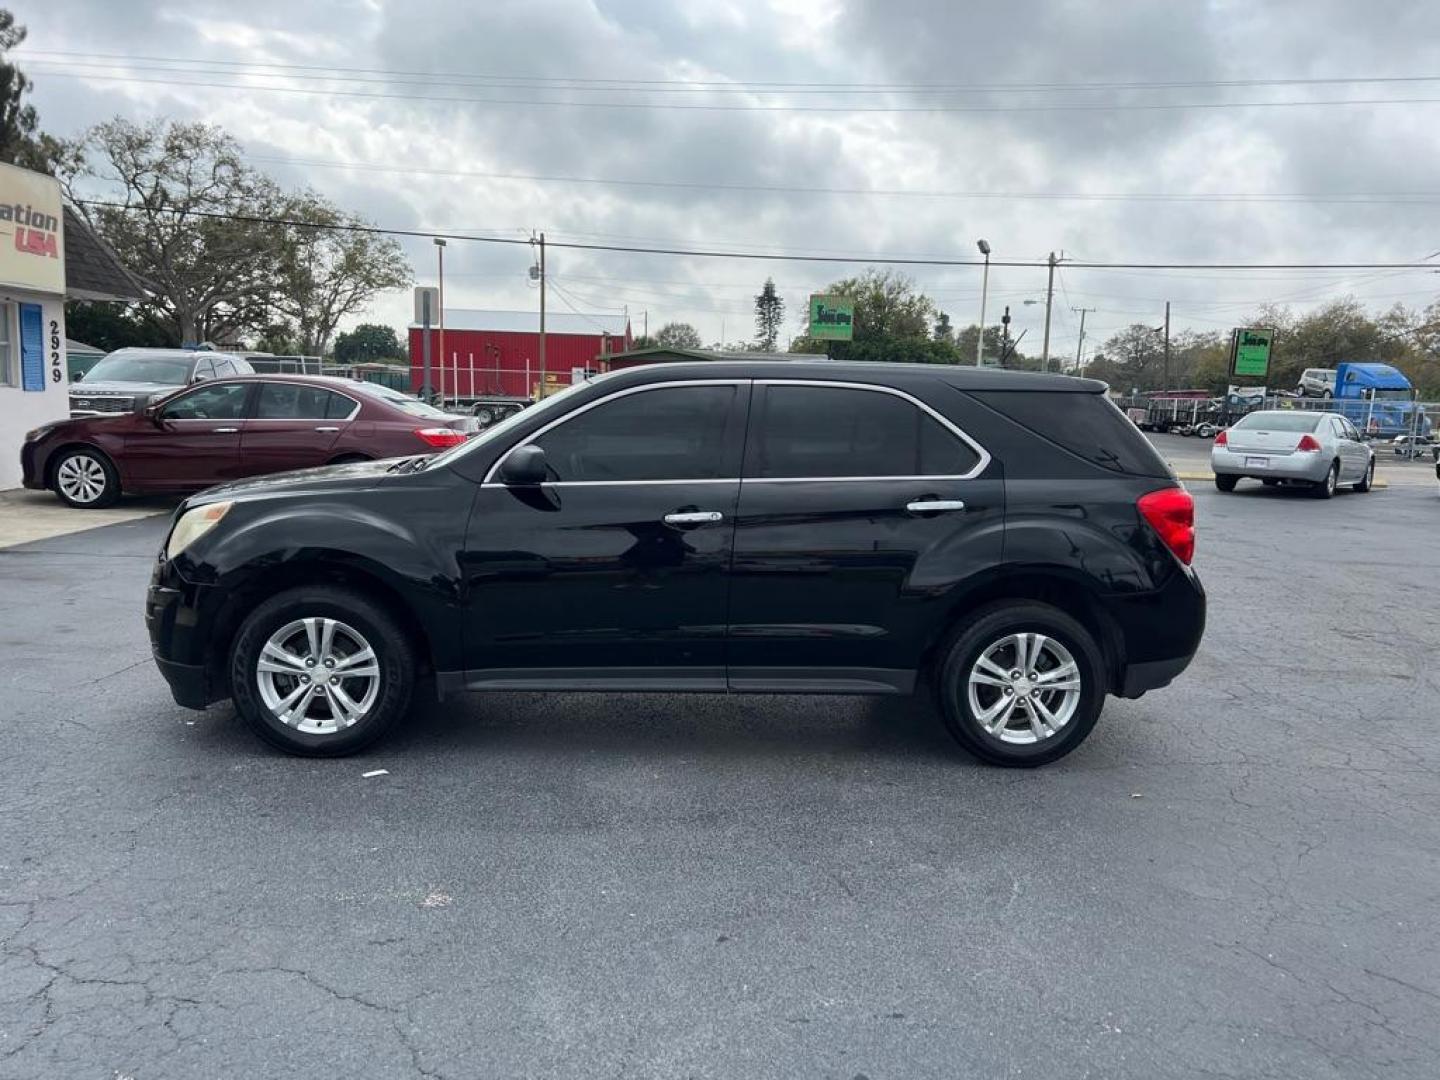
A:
1379	400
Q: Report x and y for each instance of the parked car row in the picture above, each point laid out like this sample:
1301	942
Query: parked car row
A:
229	428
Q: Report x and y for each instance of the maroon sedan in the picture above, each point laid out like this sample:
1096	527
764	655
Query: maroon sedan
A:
231	428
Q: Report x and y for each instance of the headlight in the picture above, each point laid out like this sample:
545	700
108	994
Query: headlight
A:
192	525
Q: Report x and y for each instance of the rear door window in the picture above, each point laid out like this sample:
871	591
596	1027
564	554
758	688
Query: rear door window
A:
1087	425
295	401
829	432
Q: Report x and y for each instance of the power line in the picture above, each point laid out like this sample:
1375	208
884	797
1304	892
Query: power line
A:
259	219
1358	198
567	103
578	82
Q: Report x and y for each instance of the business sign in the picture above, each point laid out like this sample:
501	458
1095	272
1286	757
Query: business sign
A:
832	318
32	241
427	305
1250	351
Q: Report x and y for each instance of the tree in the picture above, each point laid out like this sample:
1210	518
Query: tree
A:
206	277
110	326
331	267
995	348
769	316
943	330
21	141
1133	359
892	322
368	341
678	335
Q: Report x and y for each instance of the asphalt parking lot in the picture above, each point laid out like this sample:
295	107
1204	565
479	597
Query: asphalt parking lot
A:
1236	876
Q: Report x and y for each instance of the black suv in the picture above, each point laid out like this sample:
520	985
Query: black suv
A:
1007	541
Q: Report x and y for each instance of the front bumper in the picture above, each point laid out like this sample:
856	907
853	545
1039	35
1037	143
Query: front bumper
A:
179	617
1310	467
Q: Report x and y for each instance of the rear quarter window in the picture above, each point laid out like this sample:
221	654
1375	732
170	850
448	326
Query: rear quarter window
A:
1087	425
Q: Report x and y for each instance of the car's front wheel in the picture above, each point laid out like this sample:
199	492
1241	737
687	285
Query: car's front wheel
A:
85	479
321	671
1022	685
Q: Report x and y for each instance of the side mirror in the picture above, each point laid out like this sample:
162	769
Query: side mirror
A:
524	467
77	376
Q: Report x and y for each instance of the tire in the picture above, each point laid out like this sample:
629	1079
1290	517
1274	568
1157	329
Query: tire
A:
1020	745
1226	483
320	729
1326	395
484	415
1325	489
1369	481
85	479
1270	481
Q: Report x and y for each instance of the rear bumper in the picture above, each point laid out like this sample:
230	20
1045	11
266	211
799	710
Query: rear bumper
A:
1160	632
1311	466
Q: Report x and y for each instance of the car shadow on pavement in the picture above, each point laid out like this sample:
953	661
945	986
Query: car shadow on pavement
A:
715	726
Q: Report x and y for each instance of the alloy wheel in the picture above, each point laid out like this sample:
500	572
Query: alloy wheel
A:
81	478
1024	688
317	675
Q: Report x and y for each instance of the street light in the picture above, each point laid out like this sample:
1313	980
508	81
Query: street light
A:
984	247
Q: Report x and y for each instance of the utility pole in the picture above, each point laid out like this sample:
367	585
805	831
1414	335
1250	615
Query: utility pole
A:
440	251
541	394
1049	299
1165	385
1079	349
984	247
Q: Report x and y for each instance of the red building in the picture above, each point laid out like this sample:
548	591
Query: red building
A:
497	353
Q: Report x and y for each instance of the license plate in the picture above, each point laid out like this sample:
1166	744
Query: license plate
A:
1257	462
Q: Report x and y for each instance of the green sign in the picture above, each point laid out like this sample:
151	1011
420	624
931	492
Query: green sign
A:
1252	352
832	318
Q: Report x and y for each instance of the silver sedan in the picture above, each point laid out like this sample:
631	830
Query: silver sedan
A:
1321	450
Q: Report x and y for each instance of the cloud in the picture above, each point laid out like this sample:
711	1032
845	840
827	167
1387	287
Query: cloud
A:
1319	149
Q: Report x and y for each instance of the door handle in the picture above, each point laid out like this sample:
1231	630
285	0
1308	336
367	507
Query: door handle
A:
328	430
224	430
934	506
696	517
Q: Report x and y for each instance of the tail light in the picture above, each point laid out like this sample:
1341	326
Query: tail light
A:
1171	513
1308	445
440	437
1222	439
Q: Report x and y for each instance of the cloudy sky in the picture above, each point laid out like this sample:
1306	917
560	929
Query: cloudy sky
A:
877	128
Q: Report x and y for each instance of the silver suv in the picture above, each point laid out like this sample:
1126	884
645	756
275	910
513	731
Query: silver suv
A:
1317	382
128	379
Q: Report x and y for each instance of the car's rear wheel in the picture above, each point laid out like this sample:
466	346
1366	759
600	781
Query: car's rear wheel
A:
1369	481
85	479
1022	685
1325	489
1226	483
321	671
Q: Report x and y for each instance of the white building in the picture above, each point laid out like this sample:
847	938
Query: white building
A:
44	248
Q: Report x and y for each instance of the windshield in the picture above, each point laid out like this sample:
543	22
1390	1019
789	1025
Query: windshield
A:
404	402
1392	395
1279	421
490	434
167	370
